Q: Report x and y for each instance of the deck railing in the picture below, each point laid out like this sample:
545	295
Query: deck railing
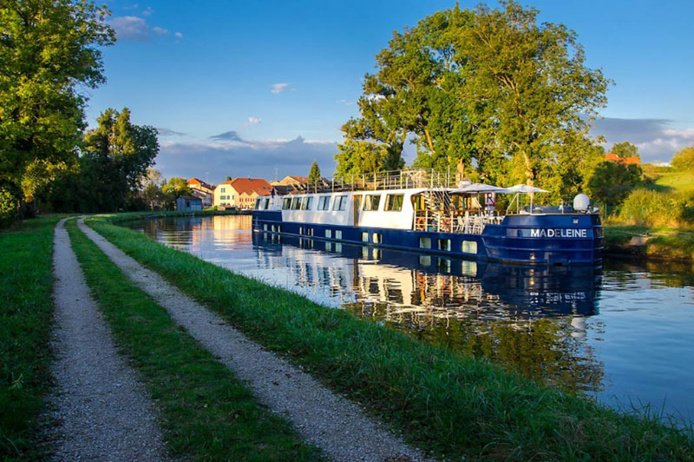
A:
398	179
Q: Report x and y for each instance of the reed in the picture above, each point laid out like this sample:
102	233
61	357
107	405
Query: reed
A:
456	406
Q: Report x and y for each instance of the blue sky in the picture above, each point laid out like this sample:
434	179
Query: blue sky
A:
261	88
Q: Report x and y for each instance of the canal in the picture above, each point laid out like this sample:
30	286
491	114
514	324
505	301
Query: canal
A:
622	335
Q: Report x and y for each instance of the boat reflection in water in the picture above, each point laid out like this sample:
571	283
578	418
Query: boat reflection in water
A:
532	320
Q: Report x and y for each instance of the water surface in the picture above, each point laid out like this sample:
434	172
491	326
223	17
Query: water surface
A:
622	335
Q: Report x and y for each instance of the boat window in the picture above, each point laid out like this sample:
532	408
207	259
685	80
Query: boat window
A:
324	203
425	243
445	244
286	203
296	203
394	202
306	205
371	202
365	237
340	203
328	233
469	247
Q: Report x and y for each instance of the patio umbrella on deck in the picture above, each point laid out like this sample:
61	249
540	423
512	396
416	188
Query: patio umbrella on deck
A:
527	189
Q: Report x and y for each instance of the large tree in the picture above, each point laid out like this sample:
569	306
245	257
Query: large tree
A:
117	156
50	57
490	89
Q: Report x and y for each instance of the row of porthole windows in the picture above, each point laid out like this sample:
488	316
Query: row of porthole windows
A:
272	228
445	245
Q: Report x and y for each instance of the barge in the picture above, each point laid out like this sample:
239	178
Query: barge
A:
419	211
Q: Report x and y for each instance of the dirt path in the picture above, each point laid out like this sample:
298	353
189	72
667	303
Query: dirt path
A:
105	414
325	419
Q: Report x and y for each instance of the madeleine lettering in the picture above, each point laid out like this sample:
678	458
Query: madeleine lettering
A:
559	232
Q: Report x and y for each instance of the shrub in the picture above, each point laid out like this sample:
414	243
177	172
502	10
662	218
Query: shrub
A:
653	208
8	208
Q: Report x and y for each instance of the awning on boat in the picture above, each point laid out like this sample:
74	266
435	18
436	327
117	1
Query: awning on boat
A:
478	188
524	188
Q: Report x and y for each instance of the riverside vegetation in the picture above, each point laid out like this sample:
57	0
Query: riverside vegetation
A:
496	414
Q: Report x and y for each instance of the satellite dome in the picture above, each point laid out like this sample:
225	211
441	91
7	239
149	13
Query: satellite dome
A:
581	202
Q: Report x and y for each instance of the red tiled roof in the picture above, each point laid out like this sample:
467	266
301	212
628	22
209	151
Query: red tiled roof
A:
622	160
250	186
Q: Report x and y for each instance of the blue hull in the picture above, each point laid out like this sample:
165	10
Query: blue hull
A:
550	240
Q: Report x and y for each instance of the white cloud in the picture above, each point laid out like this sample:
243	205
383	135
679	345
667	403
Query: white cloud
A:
278	88
136	28
254	120
148	11
654	138
130	27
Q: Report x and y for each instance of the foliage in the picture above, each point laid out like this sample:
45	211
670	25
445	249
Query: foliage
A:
609	183
483	89
625	150
314	176
684	160
8	208
118	154
173	189
653	208
50	55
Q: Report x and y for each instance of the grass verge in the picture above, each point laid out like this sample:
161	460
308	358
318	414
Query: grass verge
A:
455	406
26	313
205	411
666	244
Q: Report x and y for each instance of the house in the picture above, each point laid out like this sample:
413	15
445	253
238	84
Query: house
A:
241	192
622	160
299	182
188	204
203	191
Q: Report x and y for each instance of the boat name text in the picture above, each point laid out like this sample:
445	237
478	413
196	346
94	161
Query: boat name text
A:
560	232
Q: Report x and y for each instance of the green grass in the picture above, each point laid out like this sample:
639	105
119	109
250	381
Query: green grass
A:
205	411
682	182
26	310
665	244
455	406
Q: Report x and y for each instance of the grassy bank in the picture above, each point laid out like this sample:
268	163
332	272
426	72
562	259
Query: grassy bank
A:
456	406
205	411
666	244
26	313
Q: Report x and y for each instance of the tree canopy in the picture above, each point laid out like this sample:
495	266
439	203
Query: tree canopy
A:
684	160
314	176
50	55
117	156
488	89
625	150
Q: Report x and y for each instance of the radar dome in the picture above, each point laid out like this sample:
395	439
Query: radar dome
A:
581	203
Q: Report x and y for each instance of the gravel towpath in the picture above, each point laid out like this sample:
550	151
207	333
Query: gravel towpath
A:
325	419
105	414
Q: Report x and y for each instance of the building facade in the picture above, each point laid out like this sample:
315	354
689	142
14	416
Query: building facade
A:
240	192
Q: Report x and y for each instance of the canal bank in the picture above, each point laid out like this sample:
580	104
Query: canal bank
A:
644	243
413	385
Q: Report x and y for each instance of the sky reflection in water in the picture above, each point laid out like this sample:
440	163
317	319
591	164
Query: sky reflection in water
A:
622	335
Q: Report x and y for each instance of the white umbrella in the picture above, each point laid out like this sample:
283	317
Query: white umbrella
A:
524	188
476	188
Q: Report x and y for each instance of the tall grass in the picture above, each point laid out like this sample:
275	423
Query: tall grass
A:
655	208
453	405
26	310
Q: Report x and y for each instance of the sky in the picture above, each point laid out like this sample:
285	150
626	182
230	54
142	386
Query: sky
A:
260	88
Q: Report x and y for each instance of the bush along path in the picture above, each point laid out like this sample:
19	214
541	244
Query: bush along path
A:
104	413
337	426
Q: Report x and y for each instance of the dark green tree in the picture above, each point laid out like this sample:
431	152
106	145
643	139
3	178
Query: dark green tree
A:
625	150
489	89
314	176
610	183
118	154
173	189
49	59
